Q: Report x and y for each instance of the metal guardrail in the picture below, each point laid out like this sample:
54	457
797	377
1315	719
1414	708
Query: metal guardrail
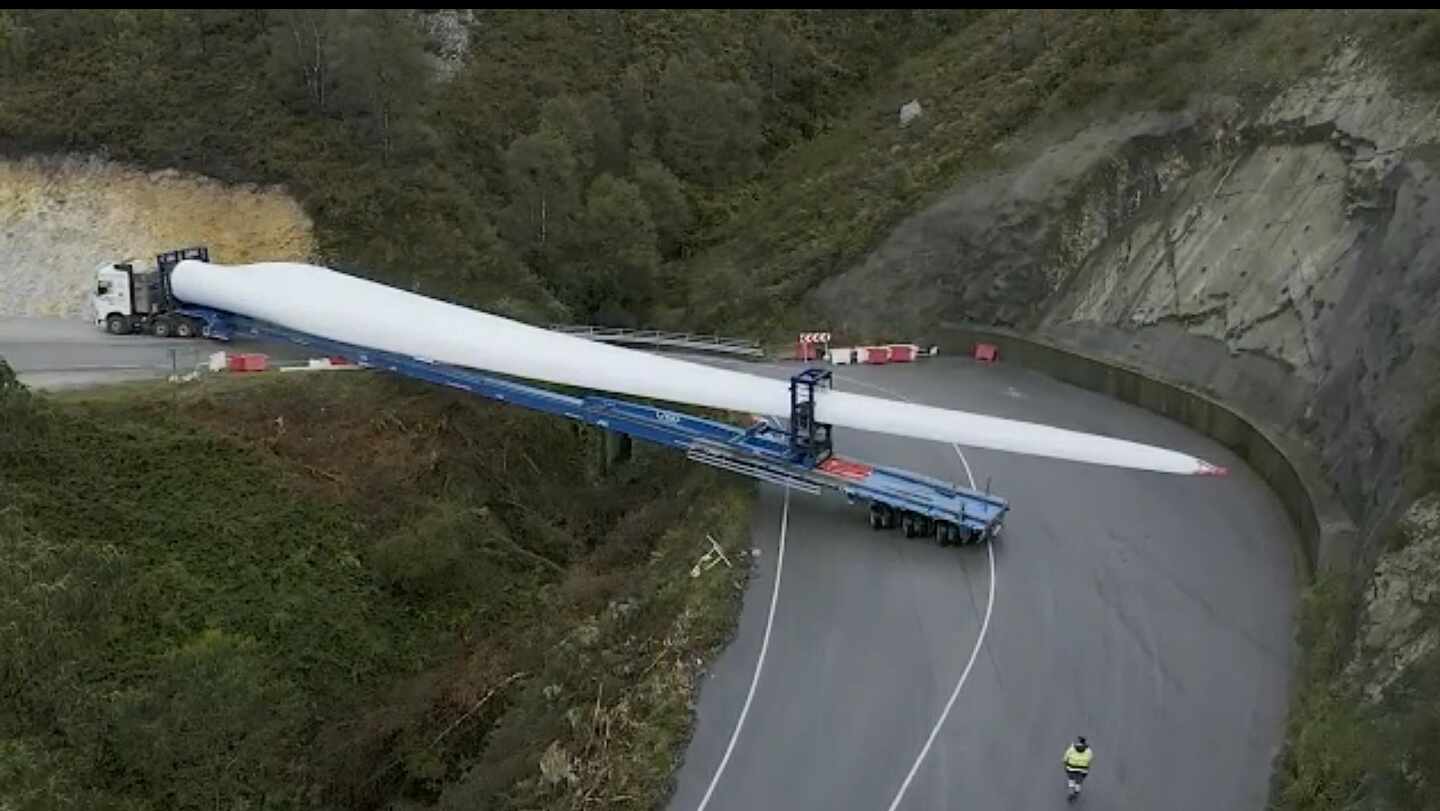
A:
676	340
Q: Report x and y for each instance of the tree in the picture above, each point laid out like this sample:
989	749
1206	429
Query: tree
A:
609	138
303	54
384	75
710	130
632	106
670	209
541	174
614	277
565	116
775	56
14	42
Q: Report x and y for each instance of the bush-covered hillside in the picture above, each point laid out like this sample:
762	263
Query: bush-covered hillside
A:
350	592
536	162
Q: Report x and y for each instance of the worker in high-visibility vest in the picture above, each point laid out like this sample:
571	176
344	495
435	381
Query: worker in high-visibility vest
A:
1077	763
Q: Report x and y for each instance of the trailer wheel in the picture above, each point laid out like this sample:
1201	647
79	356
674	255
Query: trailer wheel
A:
944	532
117	324
184	328
907	524
160	328
877	520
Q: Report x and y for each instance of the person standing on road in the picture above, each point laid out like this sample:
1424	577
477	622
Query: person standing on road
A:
1077	762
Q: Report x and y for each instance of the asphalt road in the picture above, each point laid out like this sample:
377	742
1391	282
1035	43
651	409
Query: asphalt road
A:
1151	613
48	353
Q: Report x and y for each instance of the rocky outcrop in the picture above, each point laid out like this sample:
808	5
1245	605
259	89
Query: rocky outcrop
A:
1279	257
61	217
1398	628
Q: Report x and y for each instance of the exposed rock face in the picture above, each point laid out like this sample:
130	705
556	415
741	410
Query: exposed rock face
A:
1281	258
60	218
1398	628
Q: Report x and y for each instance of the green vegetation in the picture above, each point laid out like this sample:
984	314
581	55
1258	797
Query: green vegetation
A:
346	591
991	93
506	179
1327	749
1345	750
765	147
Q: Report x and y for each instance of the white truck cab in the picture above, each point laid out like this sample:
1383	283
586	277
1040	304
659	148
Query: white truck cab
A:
113	300
132	296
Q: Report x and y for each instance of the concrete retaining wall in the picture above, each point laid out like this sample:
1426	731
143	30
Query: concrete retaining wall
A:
1328	536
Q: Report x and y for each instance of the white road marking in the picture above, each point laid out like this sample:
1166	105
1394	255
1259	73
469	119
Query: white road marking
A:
979	640
760	662
974	654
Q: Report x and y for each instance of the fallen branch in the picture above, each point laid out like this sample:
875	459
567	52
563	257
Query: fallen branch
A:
476	708
535	556
324	474
718	550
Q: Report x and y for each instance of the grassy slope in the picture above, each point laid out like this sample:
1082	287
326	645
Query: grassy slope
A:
348	590
1334	730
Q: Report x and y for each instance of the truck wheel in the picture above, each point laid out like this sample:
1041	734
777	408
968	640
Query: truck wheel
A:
160	328
117	325
184	328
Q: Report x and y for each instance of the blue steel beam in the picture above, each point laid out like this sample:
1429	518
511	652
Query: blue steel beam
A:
762	451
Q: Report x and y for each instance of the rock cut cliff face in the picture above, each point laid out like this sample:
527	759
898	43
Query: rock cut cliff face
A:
61	217
1282	258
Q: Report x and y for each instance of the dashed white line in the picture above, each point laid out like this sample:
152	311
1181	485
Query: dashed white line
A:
759	662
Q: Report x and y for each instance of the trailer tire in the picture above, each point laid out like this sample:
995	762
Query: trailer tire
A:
944	533
117	325
185	328
160	328
907	524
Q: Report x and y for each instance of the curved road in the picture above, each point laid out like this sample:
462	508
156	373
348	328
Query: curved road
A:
1150	613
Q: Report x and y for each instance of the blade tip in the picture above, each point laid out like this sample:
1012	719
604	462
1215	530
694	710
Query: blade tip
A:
1207	469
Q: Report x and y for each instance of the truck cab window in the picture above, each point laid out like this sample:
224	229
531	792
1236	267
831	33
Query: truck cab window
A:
103	289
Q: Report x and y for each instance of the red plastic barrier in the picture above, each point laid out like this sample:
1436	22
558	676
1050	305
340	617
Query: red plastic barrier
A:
876	354
987	353
901	353
247	362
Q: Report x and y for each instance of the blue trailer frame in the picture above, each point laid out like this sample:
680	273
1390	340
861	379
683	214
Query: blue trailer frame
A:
800	455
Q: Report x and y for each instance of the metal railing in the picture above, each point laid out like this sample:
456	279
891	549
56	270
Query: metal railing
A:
674	340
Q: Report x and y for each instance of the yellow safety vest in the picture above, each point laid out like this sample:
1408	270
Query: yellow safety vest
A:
1079	761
